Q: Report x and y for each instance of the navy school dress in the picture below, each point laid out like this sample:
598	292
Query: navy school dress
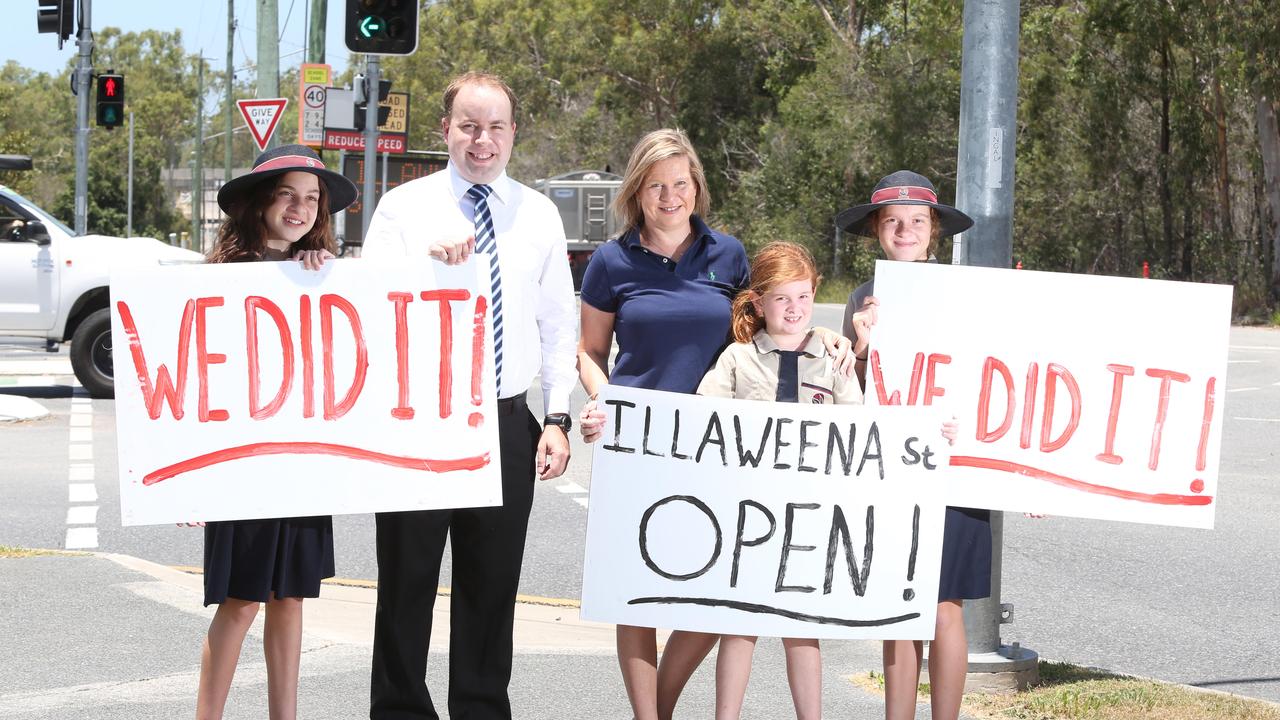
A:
966	536
256	559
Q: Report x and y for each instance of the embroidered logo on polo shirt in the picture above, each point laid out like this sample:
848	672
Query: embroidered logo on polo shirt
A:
711	275
820	394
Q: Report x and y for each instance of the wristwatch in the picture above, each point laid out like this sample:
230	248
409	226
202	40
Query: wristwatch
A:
560	420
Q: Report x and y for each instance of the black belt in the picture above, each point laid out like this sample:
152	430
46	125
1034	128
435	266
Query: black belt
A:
508	406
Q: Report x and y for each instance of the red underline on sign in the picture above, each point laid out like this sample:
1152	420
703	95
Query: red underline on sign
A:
1037	473
313	448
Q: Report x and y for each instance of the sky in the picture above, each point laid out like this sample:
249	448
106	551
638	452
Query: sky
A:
203	24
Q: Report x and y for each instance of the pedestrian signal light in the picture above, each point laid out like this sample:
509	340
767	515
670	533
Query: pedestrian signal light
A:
54	16
382	27
110	100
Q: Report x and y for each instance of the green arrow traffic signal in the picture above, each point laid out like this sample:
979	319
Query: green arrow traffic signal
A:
370	25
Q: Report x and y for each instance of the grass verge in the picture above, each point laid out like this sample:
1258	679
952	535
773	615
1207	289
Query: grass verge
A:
10	551
1071	692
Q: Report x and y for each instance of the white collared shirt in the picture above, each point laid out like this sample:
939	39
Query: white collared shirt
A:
539	317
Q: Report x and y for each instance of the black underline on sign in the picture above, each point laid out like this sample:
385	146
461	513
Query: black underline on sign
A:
769	610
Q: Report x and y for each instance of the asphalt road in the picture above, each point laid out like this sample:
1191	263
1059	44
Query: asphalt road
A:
1192	606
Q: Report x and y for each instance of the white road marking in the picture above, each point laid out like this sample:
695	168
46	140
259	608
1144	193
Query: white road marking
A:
581	501
82	515
1264	348
79	419
571	487
1253	419
1251	362
82	538
81	471
82	435
82	493
1243	389
84	451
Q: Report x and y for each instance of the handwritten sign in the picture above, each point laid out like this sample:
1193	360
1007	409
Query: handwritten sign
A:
255	390
754	518
1077	395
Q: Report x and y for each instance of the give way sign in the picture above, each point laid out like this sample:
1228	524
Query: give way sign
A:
262	115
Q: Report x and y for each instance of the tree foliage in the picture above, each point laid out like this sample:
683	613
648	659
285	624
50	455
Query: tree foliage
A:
1146	129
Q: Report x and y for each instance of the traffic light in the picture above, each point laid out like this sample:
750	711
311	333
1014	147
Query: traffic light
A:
360	93
55	16
382	27
110	100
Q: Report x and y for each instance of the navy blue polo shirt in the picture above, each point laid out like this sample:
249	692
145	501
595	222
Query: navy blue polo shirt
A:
671	318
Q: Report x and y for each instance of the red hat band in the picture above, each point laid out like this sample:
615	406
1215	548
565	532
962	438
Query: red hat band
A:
289	161
904	192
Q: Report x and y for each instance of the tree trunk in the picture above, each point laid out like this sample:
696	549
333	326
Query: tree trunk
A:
1164	159
1269	144
1225	225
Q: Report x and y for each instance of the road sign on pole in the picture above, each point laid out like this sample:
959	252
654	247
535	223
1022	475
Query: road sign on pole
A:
313	80
262	116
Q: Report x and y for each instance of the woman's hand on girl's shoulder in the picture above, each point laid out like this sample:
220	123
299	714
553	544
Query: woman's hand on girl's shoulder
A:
839	348
313	259
591	422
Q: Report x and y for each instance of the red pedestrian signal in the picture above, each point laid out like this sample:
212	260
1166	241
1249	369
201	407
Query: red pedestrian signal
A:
110	110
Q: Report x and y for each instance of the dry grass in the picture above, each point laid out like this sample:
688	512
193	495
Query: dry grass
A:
10	551
1071	692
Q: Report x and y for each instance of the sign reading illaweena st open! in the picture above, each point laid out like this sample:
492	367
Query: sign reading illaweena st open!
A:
258	390
781	519
1077	395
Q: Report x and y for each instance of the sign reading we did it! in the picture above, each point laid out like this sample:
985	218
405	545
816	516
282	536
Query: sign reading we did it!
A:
258	390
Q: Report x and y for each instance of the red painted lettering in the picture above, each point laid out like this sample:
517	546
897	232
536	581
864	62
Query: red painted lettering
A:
1029	405
308	363
252	304
477	349
333	411
931	389
204	359
164	389
1108	454
983	431
1052	375
1204	424
1167	378
895	398
444	297
402	410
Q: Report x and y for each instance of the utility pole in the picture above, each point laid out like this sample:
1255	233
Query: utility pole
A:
316	33
128	223
84	74
197	171
371	80
231	89
984	191
269	54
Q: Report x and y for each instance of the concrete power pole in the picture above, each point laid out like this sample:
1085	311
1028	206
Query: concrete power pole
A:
316	33
231	89
984	191
84	76
197	169
269	53
371	80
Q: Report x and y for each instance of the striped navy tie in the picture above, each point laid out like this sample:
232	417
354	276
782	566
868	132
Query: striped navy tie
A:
487	242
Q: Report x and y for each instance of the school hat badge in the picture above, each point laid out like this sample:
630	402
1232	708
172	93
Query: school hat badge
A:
284	159
902	188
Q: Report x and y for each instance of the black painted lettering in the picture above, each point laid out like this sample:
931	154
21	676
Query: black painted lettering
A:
787	547
714	435
644	537
744	455
834	442
928	455
617	445
913	456
675	439
873	438
739	542
644	445
840	533
778	444
804	443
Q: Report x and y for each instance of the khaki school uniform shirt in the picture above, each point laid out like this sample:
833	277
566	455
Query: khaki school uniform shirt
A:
749	371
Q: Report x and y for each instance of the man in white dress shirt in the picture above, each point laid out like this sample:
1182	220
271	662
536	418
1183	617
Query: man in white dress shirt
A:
535	324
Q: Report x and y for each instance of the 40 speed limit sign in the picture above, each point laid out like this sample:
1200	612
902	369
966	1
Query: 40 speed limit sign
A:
313	81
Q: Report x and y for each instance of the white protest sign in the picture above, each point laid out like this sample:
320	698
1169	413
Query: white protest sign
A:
754	518
262	116
1077	395
258	390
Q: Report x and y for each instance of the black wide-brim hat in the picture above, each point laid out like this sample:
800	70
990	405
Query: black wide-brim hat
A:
903	188
285	159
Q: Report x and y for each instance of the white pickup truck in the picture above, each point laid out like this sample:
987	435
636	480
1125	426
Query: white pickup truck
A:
53	285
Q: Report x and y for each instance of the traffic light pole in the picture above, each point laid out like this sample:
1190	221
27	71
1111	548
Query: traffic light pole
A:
372	79
83	78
